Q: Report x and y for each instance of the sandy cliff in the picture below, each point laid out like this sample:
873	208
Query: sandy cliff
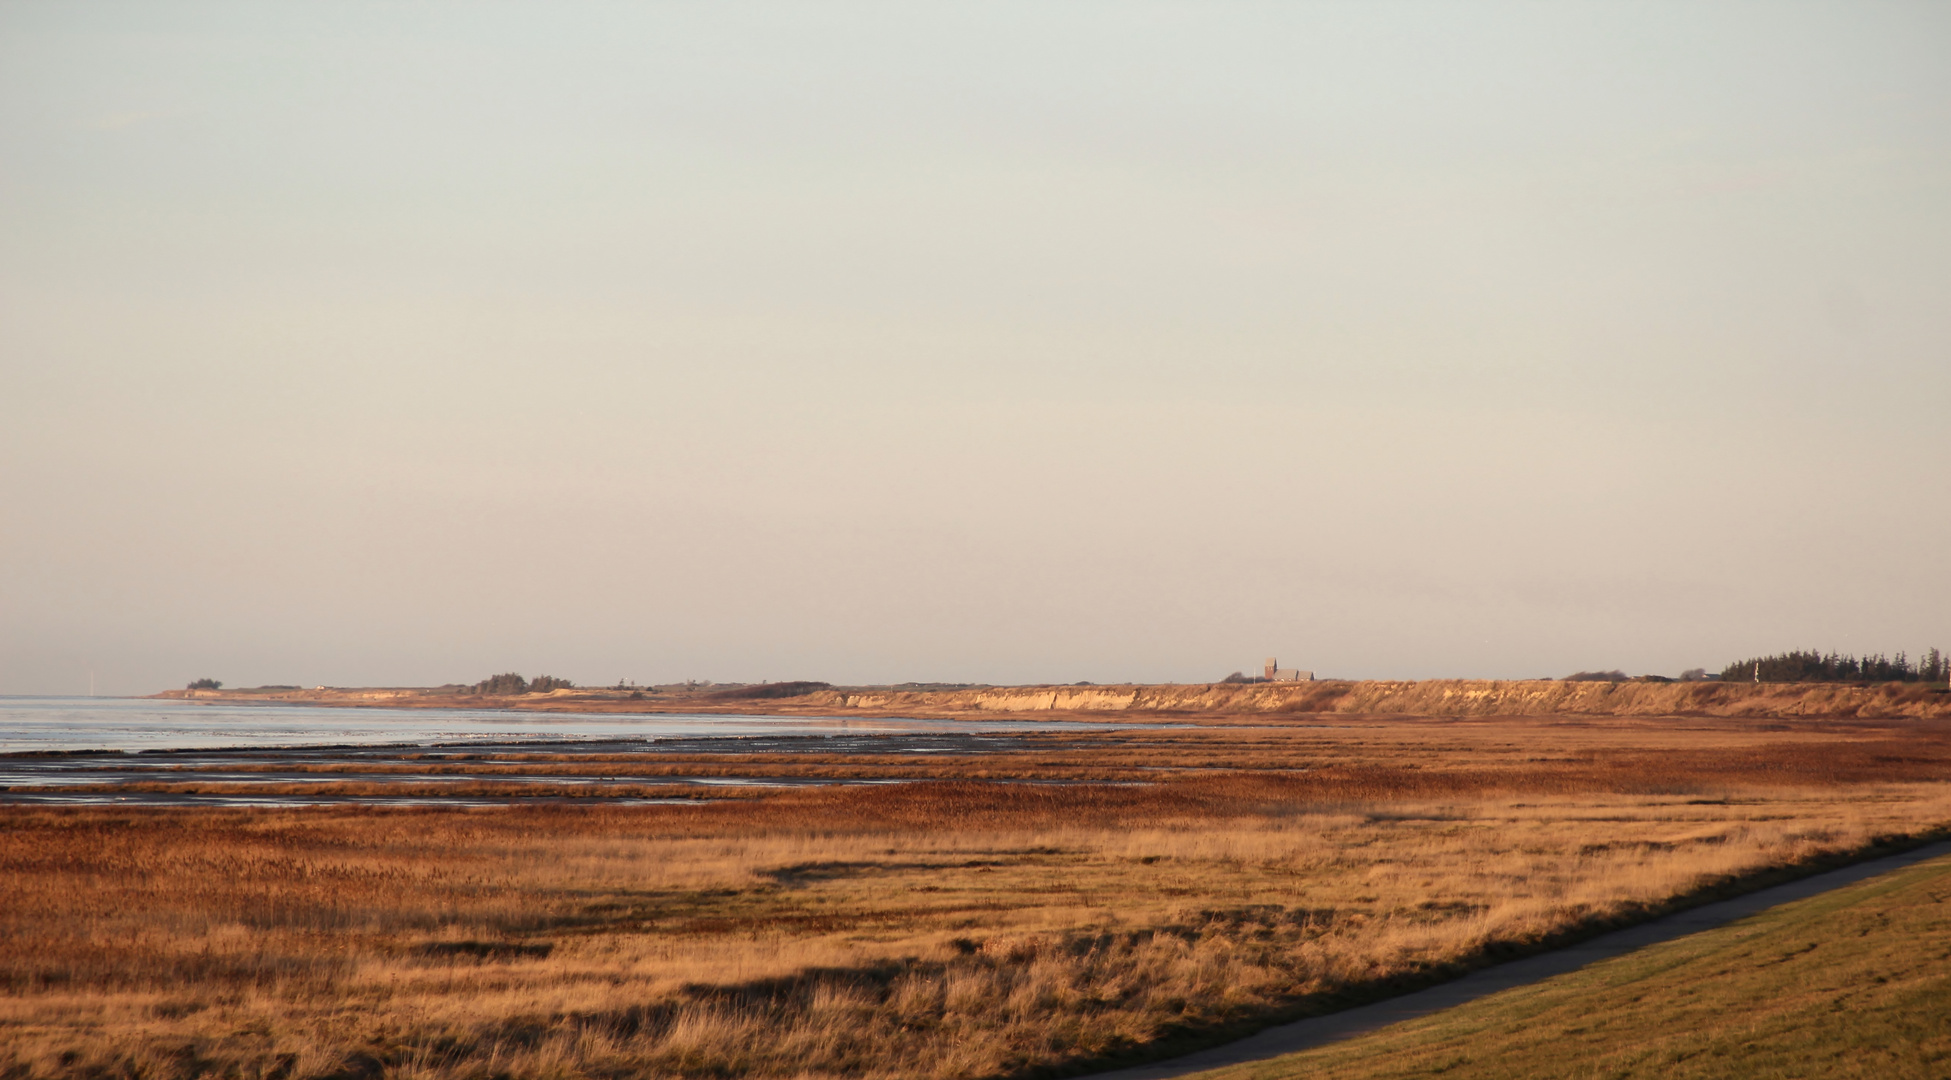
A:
1432	697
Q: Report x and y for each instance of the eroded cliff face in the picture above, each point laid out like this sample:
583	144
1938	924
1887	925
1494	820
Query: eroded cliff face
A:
1433	697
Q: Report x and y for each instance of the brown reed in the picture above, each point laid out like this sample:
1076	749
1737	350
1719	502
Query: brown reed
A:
954	928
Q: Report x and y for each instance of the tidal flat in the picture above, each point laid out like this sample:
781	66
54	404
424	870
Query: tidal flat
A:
1008	904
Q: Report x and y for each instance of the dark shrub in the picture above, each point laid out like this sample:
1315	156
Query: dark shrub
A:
507	683
206	684
767	690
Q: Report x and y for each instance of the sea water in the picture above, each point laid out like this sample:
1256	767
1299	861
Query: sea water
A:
43	724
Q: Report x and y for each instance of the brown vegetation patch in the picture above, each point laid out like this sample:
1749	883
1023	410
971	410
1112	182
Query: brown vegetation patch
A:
953	927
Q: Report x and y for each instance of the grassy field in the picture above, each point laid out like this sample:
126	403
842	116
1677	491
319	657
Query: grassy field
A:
1154	889
1856	983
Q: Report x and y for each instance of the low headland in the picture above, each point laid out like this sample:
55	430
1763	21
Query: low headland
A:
1229	702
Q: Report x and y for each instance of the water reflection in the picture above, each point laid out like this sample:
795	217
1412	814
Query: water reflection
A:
29	724
73	751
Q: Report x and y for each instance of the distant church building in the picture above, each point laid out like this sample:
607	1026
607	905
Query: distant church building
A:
1276	673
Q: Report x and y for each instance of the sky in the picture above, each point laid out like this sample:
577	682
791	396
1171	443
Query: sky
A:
400	344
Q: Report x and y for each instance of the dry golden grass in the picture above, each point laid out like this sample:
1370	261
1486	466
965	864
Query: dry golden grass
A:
942	929
1852	984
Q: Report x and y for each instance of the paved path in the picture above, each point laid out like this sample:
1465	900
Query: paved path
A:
1317	1030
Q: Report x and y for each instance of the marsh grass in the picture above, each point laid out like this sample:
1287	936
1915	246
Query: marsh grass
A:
1850	984
938	929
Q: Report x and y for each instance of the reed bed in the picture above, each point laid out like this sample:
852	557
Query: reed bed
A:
952	928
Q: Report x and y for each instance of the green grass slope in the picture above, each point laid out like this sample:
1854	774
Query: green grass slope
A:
1854	983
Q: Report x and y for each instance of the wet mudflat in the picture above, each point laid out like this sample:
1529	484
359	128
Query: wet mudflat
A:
30	724
406	776
149	753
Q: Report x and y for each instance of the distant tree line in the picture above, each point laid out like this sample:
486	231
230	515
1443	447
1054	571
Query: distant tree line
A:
1813	666
206	684
769	690
1597	676
510	683
1690	675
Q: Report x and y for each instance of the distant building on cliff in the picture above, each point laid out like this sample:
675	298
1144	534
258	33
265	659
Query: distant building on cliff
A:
1276	673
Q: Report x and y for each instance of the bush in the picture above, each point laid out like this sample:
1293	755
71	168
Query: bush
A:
1597	676
542	684
768	690
1242	677
506	683
206	684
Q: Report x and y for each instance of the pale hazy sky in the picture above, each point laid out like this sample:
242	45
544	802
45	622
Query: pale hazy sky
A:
404	343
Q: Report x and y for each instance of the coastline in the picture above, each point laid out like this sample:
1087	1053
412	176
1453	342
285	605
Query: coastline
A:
1231	702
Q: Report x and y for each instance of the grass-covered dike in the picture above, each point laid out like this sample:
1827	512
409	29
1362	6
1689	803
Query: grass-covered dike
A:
1852	983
